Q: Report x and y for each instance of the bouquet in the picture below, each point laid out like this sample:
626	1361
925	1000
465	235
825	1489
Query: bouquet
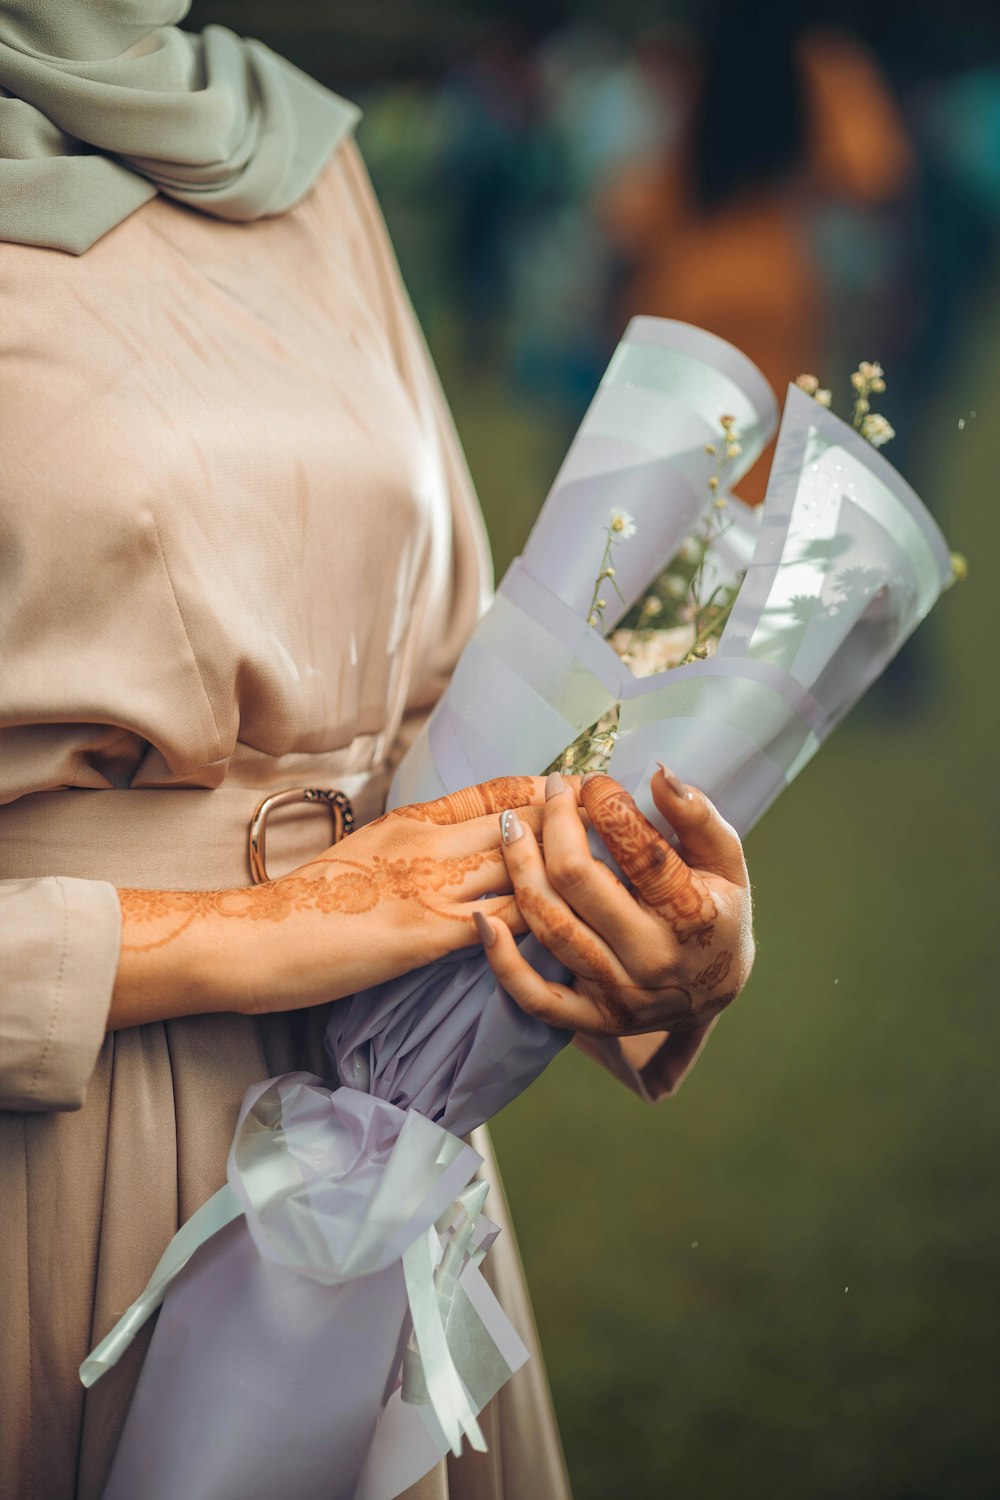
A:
325	1327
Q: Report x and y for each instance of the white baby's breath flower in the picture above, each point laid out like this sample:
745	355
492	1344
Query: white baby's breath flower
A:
877	430
648	652
622	524
811	386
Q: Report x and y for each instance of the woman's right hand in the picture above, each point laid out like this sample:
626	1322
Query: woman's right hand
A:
396	894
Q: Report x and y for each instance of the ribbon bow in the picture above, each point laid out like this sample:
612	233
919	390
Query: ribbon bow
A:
337	1184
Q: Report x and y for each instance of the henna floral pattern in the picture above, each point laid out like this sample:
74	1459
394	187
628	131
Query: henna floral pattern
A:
662	878
595	974
472	801
716	971
566	932
330	884
632	974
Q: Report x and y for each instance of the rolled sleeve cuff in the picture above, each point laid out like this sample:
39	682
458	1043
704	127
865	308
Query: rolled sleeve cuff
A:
59	946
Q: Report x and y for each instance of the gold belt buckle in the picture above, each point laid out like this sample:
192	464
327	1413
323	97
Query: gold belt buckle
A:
338	803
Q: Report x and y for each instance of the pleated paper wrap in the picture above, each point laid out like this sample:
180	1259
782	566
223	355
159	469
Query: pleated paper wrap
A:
326	1331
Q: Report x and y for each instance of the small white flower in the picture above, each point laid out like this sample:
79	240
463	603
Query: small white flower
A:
622	524
824	397
648	652
809	384
877	430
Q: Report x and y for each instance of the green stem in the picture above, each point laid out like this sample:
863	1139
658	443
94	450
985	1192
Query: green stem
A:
713	628
593	613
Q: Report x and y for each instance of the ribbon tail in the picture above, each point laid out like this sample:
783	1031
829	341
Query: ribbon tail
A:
221	1209
445	1391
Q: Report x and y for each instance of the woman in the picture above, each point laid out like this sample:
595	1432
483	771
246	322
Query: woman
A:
241	555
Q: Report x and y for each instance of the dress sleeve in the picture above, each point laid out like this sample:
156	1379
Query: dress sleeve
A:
59	942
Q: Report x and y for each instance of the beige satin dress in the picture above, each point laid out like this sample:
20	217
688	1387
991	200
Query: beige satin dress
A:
239	551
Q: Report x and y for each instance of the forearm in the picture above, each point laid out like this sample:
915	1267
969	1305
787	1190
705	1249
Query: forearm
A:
176	959
279	946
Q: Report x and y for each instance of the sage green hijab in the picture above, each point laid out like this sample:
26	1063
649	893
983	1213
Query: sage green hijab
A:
104	103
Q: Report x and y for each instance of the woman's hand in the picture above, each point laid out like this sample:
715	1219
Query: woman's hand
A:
671	954
394	895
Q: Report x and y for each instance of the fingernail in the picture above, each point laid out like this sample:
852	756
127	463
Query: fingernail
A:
554	784
486	934
511	826
673	781
590	776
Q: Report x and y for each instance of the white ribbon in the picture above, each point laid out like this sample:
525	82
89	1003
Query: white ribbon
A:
221	1209
432	1266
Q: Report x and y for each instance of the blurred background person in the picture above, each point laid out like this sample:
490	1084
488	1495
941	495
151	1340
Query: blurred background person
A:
785	125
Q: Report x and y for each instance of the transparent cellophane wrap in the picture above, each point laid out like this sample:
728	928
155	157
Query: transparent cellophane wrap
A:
325	1329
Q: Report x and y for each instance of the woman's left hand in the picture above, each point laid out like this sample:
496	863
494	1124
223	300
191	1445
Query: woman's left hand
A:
670	954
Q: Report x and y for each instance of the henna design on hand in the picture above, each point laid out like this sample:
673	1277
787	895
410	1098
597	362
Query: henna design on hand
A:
716	971
585	947
358	889
665	882
471	802
596	979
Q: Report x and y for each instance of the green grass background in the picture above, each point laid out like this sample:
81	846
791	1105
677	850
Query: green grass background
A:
783	1282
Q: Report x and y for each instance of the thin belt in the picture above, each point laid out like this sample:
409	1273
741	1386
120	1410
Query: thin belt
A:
171	838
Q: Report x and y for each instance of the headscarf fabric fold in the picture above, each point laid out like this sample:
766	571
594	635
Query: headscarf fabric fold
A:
104	105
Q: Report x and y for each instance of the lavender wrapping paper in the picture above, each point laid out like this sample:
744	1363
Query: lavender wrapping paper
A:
263	1376
277	1357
